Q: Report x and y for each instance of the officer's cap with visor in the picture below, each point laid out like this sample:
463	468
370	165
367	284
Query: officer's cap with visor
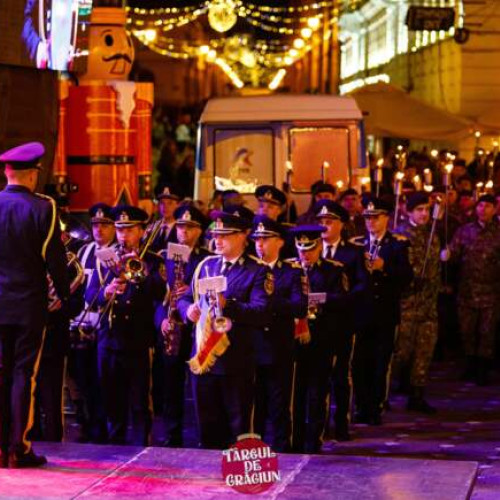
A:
270	194
24	157
264	227
188	215
307	236
128	216
166	192
240	211
100	213
330	209
225	223
376	206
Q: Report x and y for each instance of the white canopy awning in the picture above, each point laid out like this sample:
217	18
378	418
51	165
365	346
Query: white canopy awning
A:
391	112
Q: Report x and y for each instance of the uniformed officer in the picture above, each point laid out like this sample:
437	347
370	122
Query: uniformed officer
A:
327	328
418	330
475	249
49	418
355	225
333	217
275	343
82	362
168	201
386	257
189	225
126	330
272	203
31	246
271	200
319	191
223	362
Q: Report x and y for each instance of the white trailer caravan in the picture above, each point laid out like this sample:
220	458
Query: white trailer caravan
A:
244	142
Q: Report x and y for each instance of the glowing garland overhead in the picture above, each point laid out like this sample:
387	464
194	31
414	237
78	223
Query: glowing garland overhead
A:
243	59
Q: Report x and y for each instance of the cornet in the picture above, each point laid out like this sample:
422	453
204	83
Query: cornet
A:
220	323
77	280
373	254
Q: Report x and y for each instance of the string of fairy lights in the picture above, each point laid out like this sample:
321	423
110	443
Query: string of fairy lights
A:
291	33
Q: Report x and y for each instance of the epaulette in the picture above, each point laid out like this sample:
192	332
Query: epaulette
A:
293	263
400	237
292	260
45	197
256	259
335	262
357	240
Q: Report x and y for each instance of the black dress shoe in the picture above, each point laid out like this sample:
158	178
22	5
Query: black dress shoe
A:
25	461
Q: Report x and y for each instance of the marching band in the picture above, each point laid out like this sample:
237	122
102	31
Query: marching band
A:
263	323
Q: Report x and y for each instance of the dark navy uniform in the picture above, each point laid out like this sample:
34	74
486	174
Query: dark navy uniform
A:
275	343
125	340
351	256
381	315
166	233
174	366
82	361
224	391
329	331
31	246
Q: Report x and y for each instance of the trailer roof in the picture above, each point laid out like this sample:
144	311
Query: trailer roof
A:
288	107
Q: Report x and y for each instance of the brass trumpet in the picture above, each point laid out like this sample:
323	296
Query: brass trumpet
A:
78	279
220	323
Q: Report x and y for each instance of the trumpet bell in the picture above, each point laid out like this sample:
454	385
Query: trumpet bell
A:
135	270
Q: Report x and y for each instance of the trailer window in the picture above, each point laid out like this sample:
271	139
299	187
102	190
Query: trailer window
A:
243	158
309	147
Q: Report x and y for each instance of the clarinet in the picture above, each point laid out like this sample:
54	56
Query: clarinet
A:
173	333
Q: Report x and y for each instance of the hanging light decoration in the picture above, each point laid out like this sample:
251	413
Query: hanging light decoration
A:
222	15
245	60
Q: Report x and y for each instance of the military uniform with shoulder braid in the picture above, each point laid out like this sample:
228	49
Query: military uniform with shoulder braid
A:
328	332
30	247
390	273
223	363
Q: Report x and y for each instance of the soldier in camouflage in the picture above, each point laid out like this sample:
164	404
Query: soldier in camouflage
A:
475	248
418	329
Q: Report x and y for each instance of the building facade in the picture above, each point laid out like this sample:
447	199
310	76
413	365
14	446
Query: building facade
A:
462	78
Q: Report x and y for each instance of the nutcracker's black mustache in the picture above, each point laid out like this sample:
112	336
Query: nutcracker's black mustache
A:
115	57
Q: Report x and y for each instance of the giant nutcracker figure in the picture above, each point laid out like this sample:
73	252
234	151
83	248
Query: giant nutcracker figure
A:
104	144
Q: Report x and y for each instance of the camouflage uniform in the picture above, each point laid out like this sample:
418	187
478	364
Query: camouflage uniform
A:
418	329
476	249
